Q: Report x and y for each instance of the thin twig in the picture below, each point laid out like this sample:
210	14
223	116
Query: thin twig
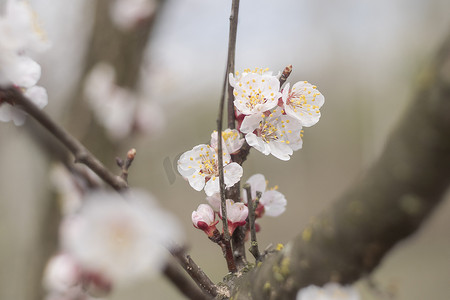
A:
218	238
125	165
201	279
284	76
82	155
231	60
187	287
251	219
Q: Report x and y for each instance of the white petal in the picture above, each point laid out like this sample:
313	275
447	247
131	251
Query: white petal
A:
26	72
196	181
232	174
212	186
257	183
257	143
38	95
274	203
280	150
250	123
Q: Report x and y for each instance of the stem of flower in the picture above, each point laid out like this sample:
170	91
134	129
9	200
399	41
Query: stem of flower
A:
254	250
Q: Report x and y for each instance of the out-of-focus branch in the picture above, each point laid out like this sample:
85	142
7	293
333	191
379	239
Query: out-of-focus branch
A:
82	155
392	200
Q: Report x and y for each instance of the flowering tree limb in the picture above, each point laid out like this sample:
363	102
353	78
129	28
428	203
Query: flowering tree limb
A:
390	203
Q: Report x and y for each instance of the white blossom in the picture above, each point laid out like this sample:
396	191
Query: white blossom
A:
119	238
19	35
231	141
303	102
255	91
273	133
330	291
61	273
200	167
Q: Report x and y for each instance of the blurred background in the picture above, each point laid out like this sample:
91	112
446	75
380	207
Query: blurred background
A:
364	56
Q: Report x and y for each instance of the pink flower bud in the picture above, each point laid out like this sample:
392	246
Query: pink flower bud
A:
204	218
236	215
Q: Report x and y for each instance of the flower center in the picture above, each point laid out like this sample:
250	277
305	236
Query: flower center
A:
267	131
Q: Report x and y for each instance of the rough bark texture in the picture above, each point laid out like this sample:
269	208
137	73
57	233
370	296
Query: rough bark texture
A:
388	204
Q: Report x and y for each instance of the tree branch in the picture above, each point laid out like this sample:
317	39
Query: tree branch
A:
183	284
82	155
201	279
393	199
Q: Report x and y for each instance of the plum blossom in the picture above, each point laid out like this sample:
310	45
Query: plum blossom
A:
116	238
19	35
330	291
237	214
272	203
204	218
231	141
255	91
119	110
303	102
200	167
273	133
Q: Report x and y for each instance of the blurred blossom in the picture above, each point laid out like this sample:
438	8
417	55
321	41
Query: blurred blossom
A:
61	273
119	238
330	291
118	109
126	14
19	36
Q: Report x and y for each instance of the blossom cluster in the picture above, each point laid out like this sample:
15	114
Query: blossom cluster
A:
271	203
19	37
272	120
111	240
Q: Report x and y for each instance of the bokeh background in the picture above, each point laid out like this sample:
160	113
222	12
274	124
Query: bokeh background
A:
364	56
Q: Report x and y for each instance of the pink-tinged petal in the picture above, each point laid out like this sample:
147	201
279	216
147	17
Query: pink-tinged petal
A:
232	174
236	212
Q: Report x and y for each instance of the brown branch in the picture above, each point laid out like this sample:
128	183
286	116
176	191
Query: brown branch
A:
125	165
230	63
226	250
185	286
195	272
252	205
231	59
82	155
390	203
